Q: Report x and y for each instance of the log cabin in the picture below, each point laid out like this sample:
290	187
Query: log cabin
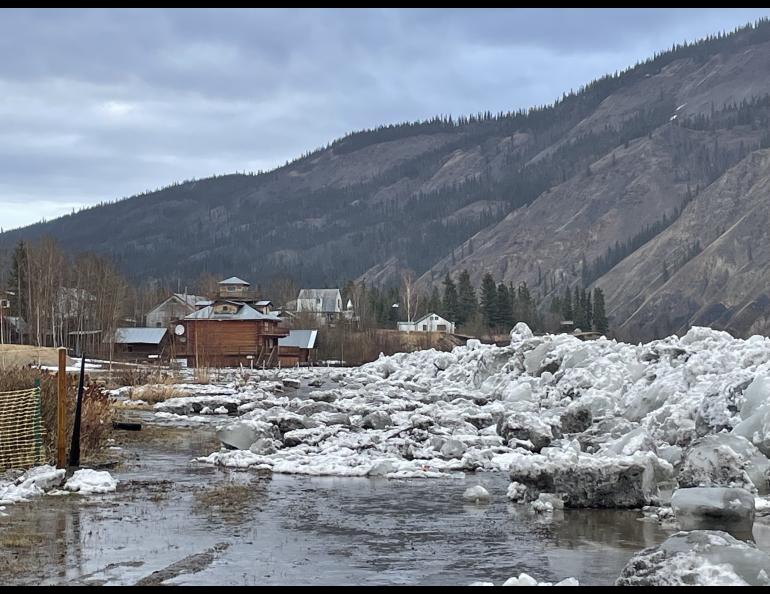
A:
229	333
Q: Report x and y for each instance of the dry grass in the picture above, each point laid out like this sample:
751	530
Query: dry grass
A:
230	502
21	355
19	540
96	419
154	393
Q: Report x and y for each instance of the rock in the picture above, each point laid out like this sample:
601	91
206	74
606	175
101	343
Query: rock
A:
526	427
315	383
698	558
241	434
725	460
714	508
376	420
477	494
291	383
576	418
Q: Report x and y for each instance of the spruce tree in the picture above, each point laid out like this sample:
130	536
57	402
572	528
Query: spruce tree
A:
566	305
600	316
489	300
504	307
434	303
451	303
466	298
17	280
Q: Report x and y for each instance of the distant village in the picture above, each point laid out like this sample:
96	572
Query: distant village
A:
232	328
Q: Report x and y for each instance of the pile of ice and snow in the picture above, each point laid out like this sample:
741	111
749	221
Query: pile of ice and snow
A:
698	558
86	481
527	580
596	423
47	479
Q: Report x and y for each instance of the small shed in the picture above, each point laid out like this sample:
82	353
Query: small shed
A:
135	343
297	347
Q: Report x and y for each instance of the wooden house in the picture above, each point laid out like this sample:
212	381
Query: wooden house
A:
140	343
297	347
229	333
234	289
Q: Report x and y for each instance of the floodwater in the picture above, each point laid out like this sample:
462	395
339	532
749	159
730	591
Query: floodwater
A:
202	525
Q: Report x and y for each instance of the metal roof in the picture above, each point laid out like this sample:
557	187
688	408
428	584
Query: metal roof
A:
319	300
244	312
263	303
190	300
233	280
139	335
304	339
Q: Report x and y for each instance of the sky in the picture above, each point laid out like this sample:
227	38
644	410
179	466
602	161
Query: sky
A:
96	105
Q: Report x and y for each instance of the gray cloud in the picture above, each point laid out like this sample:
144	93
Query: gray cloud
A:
101	104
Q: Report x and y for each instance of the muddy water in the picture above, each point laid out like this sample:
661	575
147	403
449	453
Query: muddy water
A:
201	525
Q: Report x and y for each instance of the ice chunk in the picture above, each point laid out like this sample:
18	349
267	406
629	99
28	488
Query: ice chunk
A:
582	480
376	420
477	494
33	482
755	395
520	332
526	427
714	508
576	418
698	558
522	580
724	460
756	428
241	434
86	481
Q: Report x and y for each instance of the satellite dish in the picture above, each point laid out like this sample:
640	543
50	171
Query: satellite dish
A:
179	330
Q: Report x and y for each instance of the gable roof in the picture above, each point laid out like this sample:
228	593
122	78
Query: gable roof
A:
233	280
303	339
425	317
323	300
139	335
244	312
263	303
190	300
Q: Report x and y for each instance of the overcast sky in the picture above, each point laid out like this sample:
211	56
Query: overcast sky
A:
101	104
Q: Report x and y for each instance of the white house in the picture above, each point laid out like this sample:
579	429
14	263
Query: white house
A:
325	304
428	323
174	308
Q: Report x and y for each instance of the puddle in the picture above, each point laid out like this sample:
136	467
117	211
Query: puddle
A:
203	525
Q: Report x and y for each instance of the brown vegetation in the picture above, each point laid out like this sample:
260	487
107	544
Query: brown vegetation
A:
96	420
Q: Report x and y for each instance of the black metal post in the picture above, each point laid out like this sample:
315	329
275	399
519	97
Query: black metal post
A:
75	445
